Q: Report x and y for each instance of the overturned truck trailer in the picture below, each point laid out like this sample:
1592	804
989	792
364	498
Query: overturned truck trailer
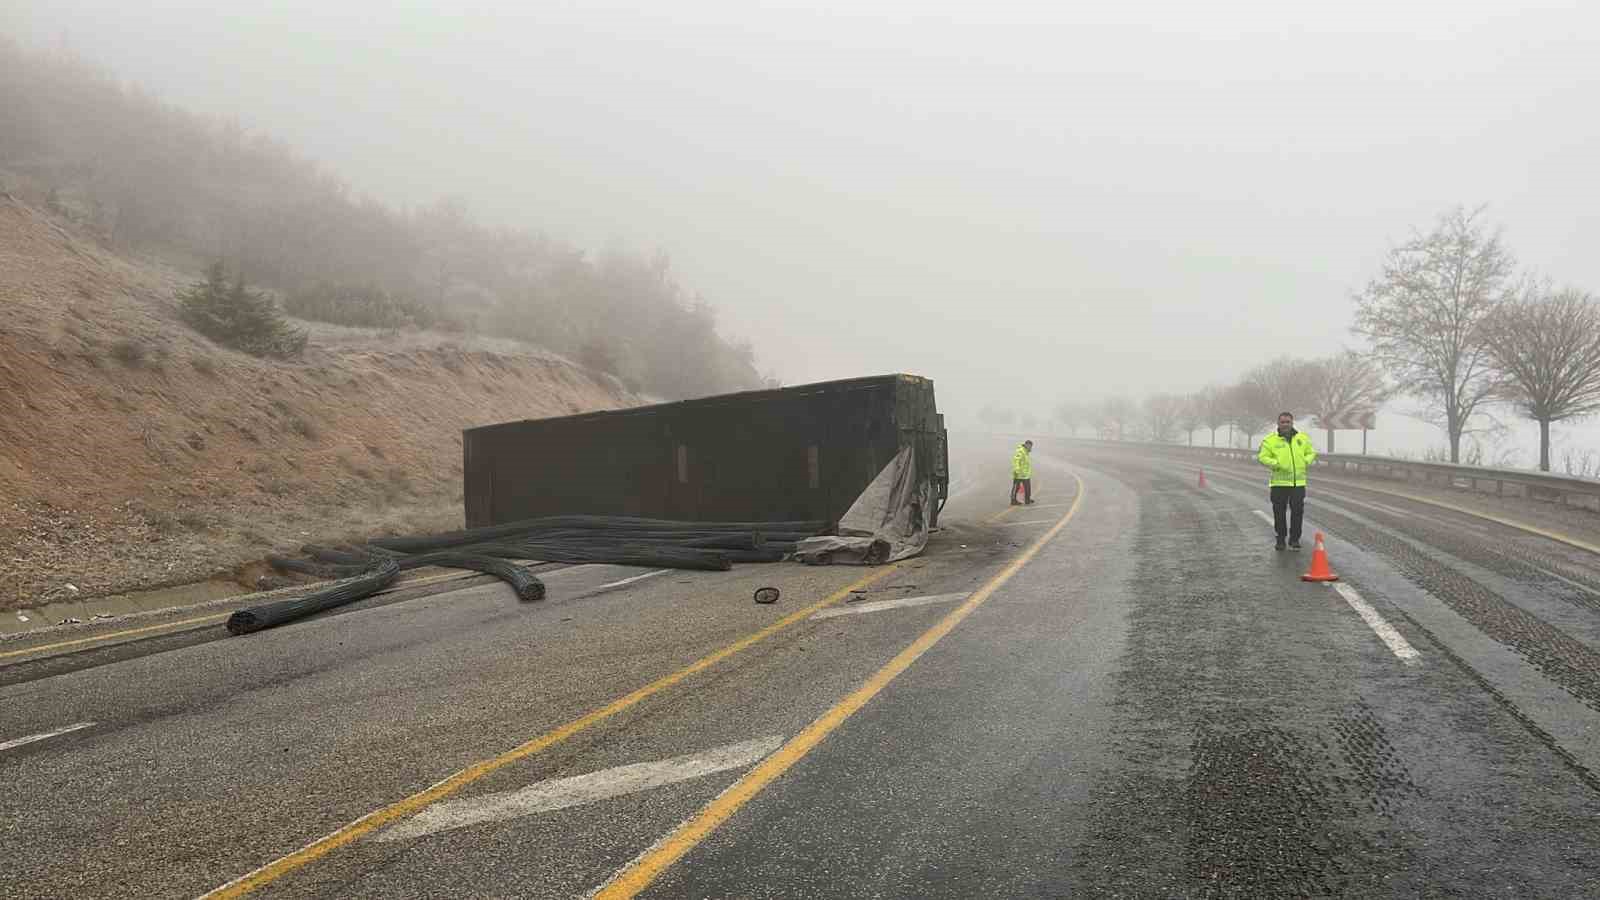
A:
869	454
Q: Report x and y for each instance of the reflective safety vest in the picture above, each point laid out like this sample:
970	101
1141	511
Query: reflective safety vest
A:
1021	464
1288	459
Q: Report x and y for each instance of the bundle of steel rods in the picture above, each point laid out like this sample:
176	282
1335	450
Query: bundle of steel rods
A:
616	540
601	528
267	615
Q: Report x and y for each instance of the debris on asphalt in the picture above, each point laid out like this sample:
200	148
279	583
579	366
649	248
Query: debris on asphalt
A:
267	615
498	549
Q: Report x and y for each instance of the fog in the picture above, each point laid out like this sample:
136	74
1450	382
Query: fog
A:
1026	202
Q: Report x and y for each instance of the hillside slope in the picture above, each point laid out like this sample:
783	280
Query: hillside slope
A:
136	453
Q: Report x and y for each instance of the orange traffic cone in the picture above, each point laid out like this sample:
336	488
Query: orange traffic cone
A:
1202	479
1320	570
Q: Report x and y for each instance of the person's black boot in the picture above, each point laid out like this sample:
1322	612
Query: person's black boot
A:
1278	544
1294	545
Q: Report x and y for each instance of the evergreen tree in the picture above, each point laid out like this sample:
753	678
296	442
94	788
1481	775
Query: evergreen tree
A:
235	316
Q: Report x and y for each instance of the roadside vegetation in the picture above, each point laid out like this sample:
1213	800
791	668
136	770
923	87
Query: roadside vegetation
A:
236	316
144	176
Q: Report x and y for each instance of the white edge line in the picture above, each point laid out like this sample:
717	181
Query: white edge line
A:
569	570
880	605
18	742
1029	522
1264	515
617	584
1386	632
1381	508
577	790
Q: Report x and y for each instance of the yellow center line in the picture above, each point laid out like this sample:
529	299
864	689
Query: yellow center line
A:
638	875
999	515
416	802
1556	536
129	632
44	648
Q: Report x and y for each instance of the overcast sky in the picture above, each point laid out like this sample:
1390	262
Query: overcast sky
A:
1025	202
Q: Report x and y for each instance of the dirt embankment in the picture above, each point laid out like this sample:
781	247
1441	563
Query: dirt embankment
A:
135	453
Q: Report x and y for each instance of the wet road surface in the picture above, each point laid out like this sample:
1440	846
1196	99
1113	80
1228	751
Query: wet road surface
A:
1120	691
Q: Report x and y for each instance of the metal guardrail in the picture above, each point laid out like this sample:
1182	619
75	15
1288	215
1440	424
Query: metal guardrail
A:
1566	490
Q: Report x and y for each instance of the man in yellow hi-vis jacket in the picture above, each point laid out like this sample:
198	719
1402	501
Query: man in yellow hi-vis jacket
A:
1022	473
1288	453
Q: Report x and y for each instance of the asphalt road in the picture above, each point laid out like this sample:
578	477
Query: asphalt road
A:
1121	691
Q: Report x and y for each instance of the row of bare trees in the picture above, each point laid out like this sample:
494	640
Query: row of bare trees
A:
1309	388
1449	322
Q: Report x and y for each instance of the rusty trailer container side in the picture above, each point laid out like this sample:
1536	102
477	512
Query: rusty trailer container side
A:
788	454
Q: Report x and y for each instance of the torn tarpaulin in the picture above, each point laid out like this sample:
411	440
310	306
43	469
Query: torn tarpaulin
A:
888	522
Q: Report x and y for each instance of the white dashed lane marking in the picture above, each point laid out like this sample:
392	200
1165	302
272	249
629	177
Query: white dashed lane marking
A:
1395	641
44	736
562	793
880	605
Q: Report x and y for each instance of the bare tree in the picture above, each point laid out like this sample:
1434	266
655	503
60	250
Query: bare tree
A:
1212	408
1283	385
1072	415
1243	406
1115	414
1547	347
1346	382
1581	465
1162	416
1424	316
1191	415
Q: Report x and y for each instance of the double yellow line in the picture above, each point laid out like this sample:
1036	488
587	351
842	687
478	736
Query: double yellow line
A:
416	802
641	872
